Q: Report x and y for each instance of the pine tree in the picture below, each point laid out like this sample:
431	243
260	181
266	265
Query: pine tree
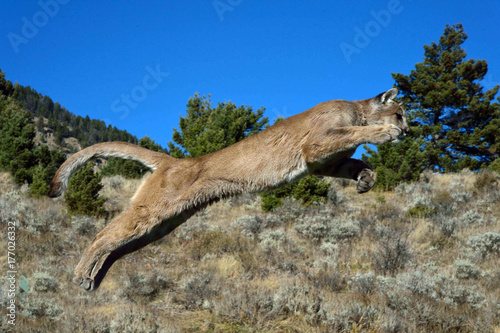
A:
82	196
310	190
205	129
6	87
39	186
148	143
17	135
455	123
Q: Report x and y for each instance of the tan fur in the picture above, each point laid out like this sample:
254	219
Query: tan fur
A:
318	141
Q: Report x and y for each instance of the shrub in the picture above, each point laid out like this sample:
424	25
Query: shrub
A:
345	228
418	283
132	321
363	284
315	228
273	220
298	300
485	244
393	255
270	202
485	179
335	196
329	248
309	190
84	225
271	239
198	290
44	282
459	193
145	285
251	225
330	280
355	316
466	270
42	221
35	307
212	242
82	196
471	218
420	211
39	185
324	227
445	224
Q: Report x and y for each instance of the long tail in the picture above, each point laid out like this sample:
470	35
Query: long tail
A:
107	149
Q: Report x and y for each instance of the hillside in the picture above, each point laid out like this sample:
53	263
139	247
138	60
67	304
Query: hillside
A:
60	126
423	258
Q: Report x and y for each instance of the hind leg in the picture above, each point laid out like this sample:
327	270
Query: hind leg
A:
128	232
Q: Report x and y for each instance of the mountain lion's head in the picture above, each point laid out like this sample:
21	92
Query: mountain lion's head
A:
383	110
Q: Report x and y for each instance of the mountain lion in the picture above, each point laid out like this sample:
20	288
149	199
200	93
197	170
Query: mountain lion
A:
318	141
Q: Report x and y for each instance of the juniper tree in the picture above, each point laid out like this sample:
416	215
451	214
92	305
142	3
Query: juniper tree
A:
455	121
17	135
130	168
206	129
82	195
39	186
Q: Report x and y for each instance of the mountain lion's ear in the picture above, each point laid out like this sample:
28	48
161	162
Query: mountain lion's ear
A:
389	95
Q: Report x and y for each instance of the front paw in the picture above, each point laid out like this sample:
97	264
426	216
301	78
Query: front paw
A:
386	133
366	180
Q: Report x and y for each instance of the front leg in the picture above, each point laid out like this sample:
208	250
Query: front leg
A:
351	169
321	147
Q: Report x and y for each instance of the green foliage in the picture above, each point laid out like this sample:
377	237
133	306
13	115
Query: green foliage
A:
309	190
270	202
205	129
398	163
126	168
63	123
39	186
18	154
82	196
495	165
455	123
129	168
420	211
16	140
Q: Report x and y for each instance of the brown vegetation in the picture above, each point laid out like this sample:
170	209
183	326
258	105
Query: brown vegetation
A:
423	258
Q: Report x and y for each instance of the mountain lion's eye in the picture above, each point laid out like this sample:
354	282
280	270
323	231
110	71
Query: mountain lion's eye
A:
400	117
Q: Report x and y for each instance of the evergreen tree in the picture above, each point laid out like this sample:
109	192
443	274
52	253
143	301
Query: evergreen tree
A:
82	195
129	168
455	123
205	129
6	87
310	190
39	186
148	143
16	140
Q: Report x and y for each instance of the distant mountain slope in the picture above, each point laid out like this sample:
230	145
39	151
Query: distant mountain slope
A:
60	126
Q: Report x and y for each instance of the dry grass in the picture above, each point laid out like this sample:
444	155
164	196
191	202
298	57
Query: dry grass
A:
412	260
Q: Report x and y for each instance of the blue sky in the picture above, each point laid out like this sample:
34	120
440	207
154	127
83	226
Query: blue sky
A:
134	64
